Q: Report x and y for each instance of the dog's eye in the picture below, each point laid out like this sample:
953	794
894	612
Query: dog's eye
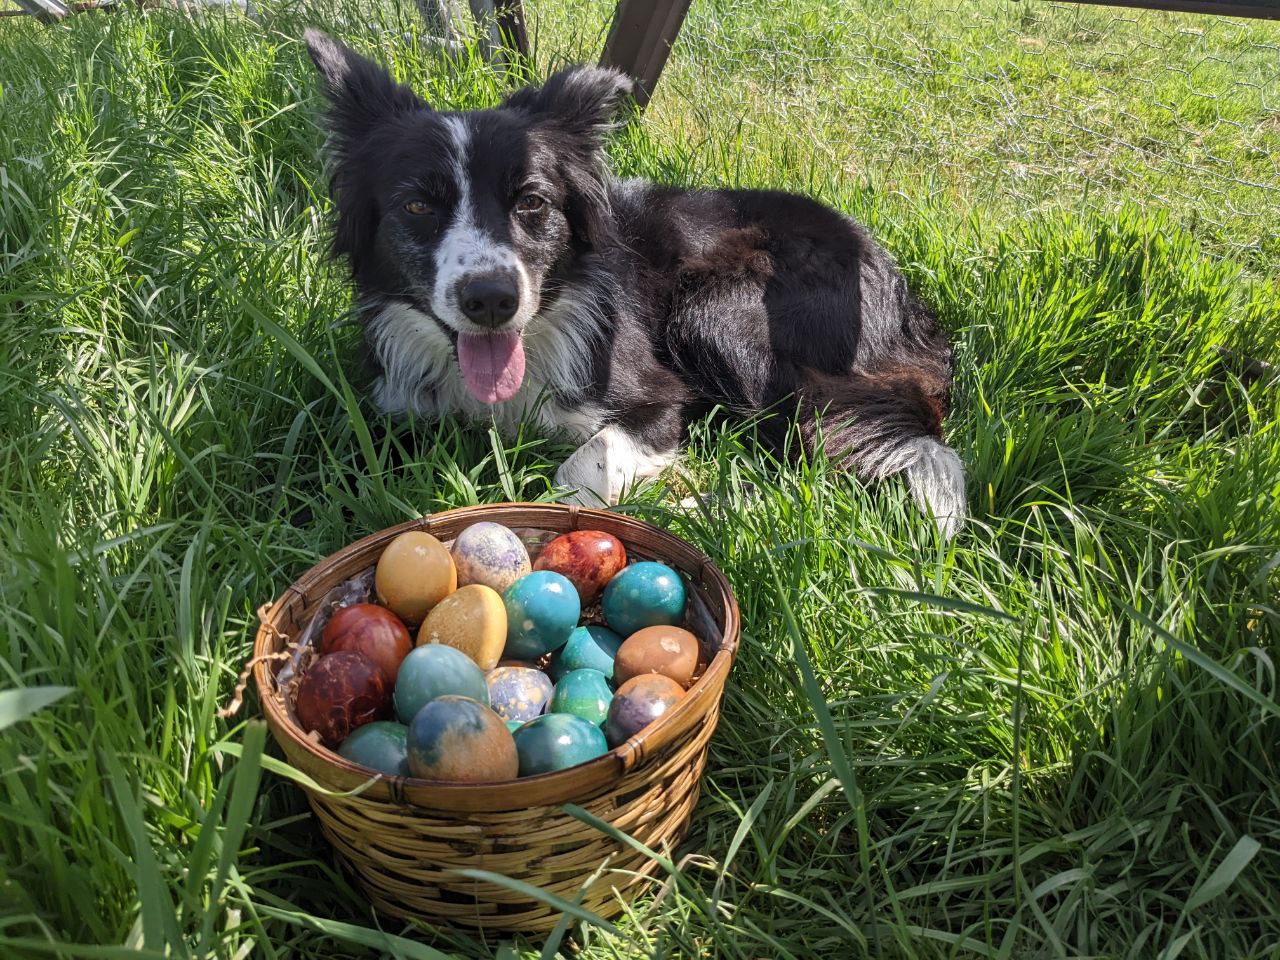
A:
418	208
530	203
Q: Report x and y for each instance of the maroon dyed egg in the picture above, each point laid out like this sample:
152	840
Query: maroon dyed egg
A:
639	702
369	629
342	691
588	559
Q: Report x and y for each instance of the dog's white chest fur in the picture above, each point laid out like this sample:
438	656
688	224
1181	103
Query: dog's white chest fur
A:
420	375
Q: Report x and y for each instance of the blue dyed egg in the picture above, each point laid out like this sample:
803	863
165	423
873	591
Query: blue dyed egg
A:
583	693
645	594
460	740
587	648
518	693
379	746
432	671
555	741
542	610
490	554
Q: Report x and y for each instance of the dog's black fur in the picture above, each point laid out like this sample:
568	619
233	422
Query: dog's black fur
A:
640	305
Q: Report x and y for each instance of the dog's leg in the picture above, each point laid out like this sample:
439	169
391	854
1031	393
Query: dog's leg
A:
600	470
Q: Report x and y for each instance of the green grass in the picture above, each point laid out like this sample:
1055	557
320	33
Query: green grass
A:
1054	737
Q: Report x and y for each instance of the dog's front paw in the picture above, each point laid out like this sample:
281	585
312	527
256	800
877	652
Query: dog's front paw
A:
601	470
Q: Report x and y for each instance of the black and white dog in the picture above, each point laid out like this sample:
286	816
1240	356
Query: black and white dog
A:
497	263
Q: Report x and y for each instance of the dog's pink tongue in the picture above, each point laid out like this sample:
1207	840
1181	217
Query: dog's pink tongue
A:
492	365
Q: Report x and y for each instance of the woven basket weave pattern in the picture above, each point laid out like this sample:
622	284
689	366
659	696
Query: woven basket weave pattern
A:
404	839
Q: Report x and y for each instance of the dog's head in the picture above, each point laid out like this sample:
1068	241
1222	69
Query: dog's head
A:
467	215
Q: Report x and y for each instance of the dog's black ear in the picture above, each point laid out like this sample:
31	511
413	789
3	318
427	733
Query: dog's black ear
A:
360	90
585	100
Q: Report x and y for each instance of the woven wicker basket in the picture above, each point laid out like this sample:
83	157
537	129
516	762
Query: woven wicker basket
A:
404	838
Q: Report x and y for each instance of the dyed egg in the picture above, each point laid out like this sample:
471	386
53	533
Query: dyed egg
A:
379	746
643	595
670	651
583	693
587	647
490	554
514	725
588	558
414	573
639	702
460	740
436	671
555	741
339	692
518	693
471	619
369	629
542	610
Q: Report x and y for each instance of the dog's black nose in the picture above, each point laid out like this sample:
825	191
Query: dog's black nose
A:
490	300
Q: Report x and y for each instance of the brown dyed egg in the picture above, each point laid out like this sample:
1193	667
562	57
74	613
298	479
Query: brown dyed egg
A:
588	559
472	619
369	629
340	692
415	572
670	651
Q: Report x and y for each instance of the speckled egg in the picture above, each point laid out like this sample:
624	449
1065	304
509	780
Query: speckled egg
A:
339	692
587	647
639	702
414	573
555	741
471	619
643	595
542	610
380	746
490	554
436	671
670	651
369	629
588	558
518	693
583	693
460	740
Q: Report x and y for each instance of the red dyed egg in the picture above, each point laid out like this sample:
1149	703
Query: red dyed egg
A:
369	629
589	559
342	691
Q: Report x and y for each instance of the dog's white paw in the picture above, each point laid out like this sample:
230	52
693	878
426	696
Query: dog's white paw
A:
603	468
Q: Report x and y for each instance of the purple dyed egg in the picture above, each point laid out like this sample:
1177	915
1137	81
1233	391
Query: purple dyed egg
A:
518	693
490	554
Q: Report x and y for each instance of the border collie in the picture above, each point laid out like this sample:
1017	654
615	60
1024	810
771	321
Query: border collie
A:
502	273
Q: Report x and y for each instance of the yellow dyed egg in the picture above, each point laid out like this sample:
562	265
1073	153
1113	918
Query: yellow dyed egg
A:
472	619
414	573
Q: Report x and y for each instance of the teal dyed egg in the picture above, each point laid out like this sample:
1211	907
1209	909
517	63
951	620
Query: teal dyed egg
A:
542	610
518	693
435	670
555	741
587	648
643	595
583	693
460	740
380	746
514	725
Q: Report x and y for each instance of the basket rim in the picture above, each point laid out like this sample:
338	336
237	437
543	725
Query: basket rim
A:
600	772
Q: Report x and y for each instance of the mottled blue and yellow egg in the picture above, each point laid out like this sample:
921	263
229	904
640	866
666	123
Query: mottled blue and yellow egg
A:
518	693
489	554
584	693
587	647
555	741
460	740
644	594
432	671
542	610
380	746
